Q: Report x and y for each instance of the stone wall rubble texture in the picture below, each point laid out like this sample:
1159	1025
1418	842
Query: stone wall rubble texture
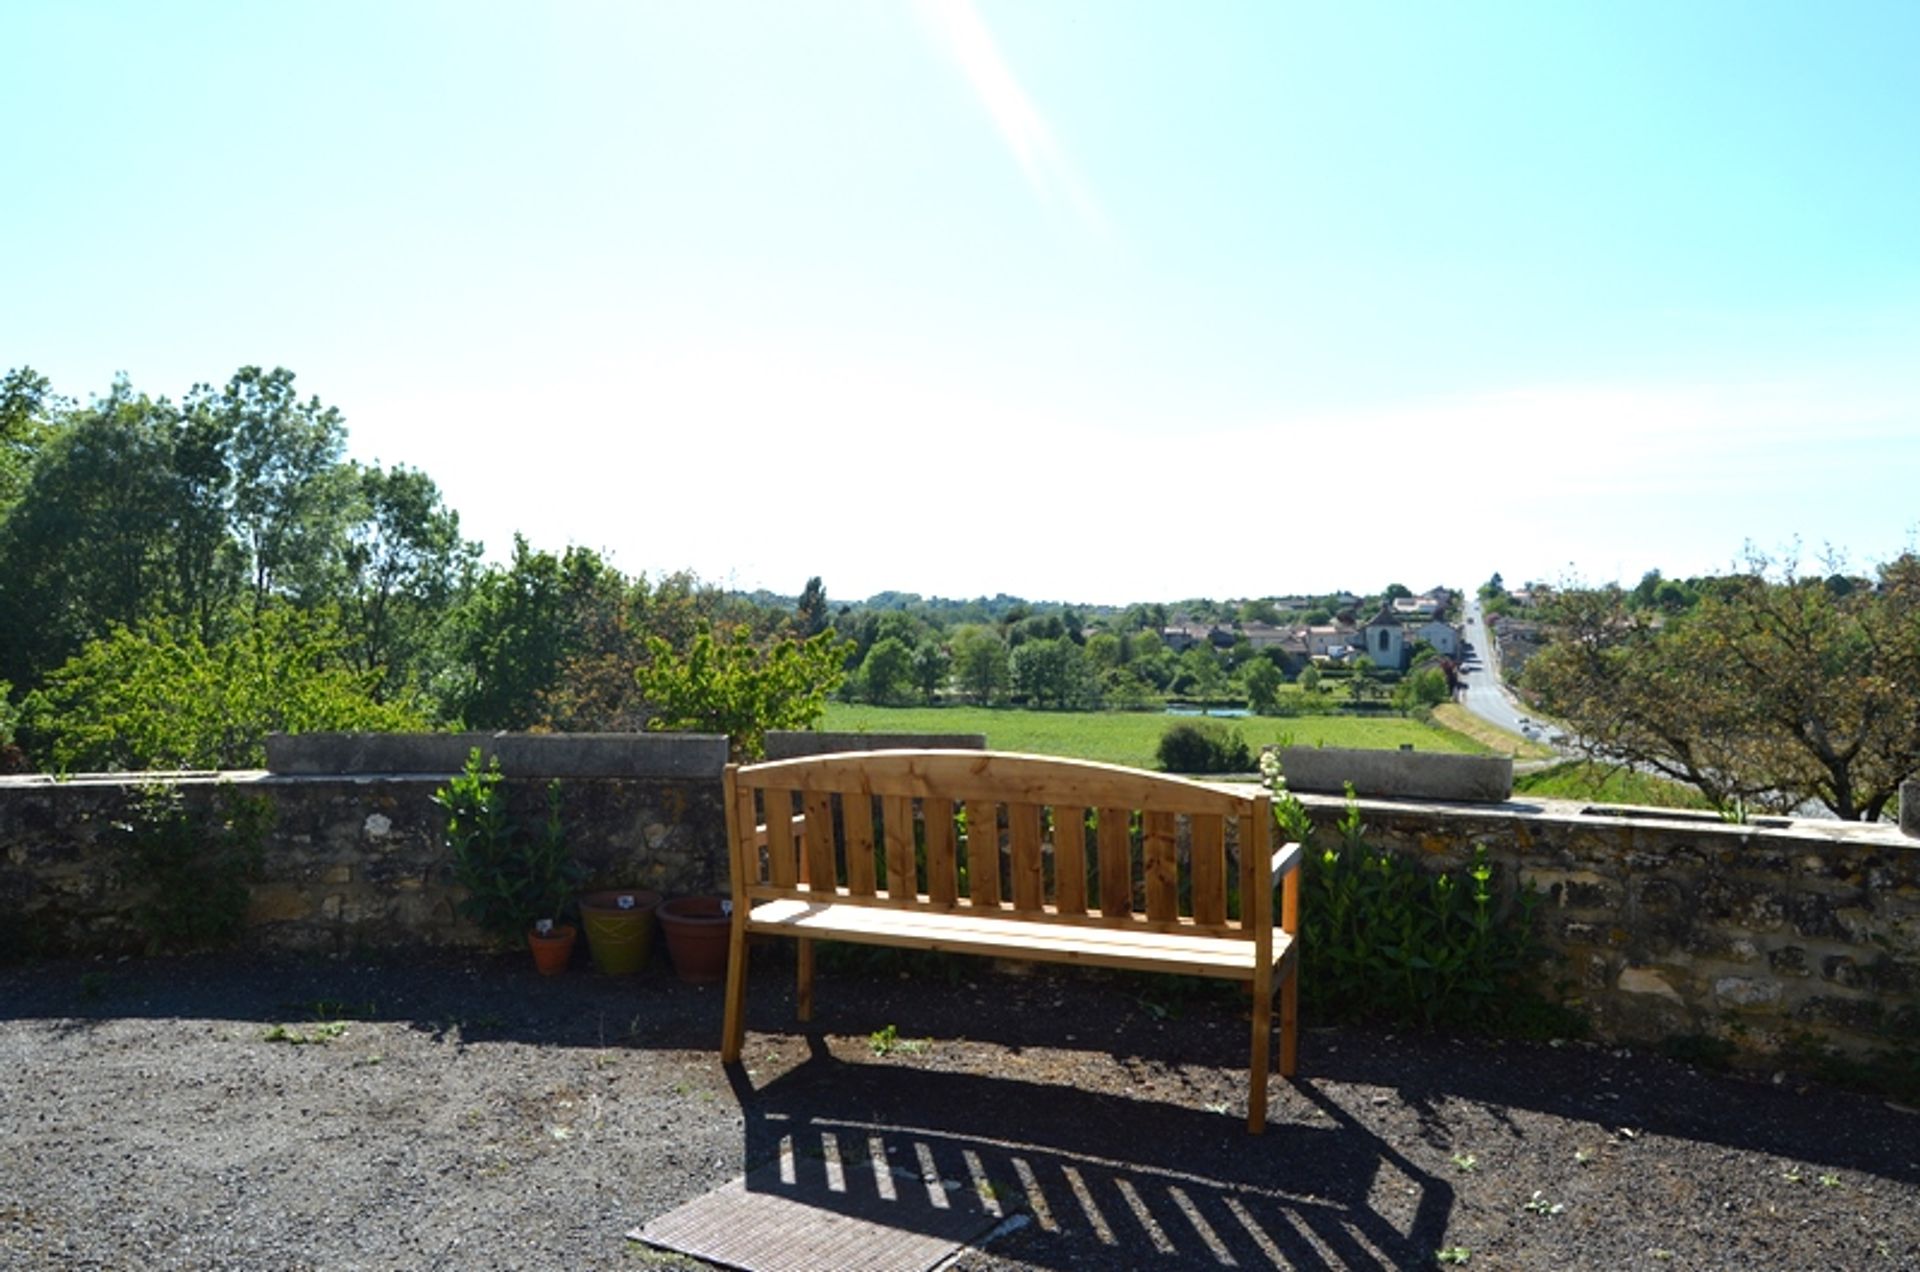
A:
1658	926
1663	927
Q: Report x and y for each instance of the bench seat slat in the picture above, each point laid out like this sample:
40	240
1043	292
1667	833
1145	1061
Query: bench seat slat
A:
1219	957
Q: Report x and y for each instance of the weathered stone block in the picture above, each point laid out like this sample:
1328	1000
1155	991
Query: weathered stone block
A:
792	744
521	755
1398	774
1647	980
1789	960
1860	1015
1746	991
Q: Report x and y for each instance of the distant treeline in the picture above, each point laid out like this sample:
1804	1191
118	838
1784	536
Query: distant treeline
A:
179	578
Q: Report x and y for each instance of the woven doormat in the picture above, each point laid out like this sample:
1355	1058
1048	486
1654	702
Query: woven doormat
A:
809	1215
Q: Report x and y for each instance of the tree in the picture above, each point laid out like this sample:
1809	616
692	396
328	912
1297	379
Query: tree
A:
290	490
1310	679
1771	690
1360	684
1199	673
508	642
1052	672
886	670
404	561
810	615
980	664
87	546
1426	687
28	411
1262	682
1106	652
931	667
1396	590
157	697
736	688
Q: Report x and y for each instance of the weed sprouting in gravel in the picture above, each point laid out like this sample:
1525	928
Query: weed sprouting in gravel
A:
316	1035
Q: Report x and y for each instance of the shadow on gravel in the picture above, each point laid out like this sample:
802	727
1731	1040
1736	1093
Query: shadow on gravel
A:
1145	1021
1103	1180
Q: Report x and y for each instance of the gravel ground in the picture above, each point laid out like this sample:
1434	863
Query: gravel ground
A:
463	1113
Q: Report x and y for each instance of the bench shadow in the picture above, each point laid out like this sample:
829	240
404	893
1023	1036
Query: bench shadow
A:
1100	1180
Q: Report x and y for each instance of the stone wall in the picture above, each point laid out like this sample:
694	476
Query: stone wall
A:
1676	925
354	861
1659	926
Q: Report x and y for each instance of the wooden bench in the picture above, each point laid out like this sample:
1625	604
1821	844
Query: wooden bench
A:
1015	856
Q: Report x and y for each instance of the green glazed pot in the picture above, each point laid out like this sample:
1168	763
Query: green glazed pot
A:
619	925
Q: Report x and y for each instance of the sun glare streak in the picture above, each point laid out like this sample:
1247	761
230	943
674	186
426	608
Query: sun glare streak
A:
958	26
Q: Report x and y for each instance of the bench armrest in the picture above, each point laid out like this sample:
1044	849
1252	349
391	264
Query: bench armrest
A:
799	823
1287	858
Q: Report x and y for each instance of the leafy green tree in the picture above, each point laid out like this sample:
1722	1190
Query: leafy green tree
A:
291	493
1426	687
1262	681
1310	679
28	419
1361	684
508	641
810	616
1200	674
886	671
12	759
1053	673
1771	691
739	689
1260	611
932	665
1105	652
405	562
87	545
156	697
981	665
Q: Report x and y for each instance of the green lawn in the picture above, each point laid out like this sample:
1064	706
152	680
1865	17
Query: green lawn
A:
1132	737
1605	784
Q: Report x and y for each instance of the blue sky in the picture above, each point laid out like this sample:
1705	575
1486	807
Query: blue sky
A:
1091	301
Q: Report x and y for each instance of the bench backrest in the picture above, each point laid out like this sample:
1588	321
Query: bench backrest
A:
1015	835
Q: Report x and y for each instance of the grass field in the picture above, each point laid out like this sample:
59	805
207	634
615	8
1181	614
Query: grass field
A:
1492	736
1133	737
1605	784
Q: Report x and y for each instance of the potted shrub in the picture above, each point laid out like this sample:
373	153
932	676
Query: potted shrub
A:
517	883
619	926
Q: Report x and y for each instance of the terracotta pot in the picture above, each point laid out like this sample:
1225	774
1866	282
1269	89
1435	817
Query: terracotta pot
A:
697	932
620	936
552	951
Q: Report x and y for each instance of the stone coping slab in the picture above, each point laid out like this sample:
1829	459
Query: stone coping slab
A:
522	755
1398	774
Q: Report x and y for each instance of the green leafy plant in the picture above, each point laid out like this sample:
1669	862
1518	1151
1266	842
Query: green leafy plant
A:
736	688
1385	939
1539	1205
194	863
513	879
1204	746
887	1040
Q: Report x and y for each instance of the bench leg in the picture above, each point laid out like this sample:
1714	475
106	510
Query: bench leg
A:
733	1034
1290	1018
803	988
1262	1043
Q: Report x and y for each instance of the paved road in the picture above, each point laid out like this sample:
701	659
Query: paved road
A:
1484	695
